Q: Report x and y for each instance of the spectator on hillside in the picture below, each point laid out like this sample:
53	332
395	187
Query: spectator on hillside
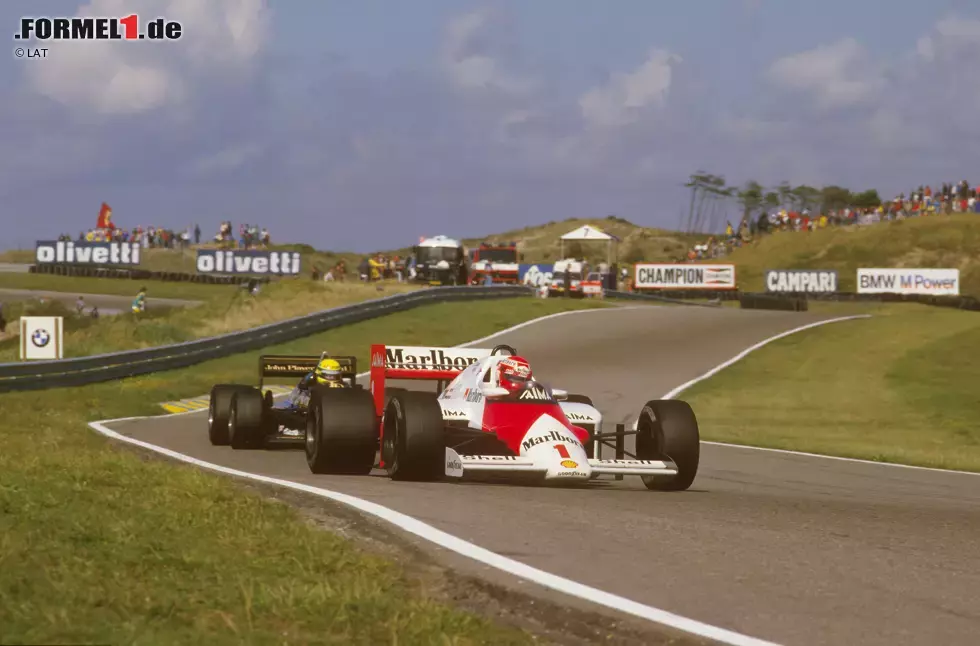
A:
197	234
139	303
80	305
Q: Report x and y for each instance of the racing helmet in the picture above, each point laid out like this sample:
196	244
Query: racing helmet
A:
513	373
327	372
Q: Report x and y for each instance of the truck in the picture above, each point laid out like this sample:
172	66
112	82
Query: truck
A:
575	270
440	260
498	259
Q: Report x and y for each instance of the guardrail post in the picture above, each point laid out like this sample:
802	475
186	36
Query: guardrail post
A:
620	445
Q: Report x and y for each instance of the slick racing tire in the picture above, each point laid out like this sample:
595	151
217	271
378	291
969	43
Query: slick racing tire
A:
341	432
667	428
219	409
414	445
579	399
247	421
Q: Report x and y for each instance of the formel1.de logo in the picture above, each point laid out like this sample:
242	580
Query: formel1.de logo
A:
87	28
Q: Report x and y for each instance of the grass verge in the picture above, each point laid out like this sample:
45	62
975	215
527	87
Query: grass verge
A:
100	546
899	387
932	241
235	311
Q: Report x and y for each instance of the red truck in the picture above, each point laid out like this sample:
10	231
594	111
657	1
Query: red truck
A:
498	259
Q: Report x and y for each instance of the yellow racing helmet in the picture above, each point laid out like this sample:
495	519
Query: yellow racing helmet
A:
328	371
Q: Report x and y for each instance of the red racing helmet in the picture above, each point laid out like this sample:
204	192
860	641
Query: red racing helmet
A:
513	373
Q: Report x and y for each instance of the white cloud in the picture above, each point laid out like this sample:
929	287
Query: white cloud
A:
950	33
226	160
620	101
119	77
468	67
837	75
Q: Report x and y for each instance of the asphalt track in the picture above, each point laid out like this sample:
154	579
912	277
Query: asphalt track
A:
783	547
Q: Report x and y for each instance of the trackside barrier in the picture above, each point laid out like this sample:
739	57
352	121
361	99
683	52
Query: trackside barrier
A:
88	271
773	302
970	303
642	296
79	371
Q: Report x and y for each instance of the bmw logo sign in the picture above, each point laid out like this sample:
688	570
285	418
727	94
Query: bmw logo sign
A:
40	338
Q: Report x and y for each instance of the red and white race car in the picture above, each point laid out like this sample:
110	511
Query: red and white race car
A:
488	415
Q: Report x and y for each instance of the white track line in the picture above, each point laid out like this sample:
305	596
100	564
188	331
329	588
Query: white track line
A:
458	545
465	548
744	353
741	355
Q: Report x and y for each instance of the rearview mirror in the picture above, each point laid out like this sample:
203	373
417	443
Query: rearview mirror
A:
491	392
559	394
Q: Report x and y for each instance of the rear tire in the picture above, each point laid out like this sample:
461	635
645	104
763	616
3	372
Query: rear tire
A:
247	422
414	447
341	432
668	428
219	409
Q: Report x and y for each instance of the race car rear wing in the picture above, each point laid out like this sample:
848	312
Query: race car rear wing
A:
295	366
413	362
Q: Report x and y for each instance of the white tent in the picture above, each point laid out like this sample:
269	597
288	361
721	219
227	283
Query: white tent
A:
589	233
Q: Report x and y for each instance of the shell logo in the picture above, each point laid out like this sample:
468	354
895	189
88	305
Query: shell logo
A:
569	464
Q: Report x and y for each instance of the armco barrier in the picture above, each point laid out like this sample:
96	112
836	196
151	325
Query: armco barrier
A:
749	301
970	303
39	375
641	296
90	271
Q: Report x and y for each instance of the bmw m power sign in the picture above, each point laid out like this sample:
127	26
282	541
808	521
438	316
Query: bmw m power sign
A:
684	276
41	337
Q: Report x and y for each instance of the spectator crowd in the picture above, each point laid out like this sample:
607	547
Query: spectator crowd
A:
950	197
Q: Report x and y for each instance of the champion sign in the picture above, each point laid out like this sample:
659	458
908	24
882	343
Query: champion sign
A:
686	276
938	282
218	261
795	281
50	252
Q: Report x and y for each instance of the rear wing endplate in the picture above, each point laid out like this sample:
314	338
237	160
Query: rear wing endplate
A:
295	366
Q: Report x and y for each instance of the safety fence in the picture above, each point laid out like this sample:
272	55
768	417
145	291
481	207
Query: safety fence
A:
970	303
89	271
39	375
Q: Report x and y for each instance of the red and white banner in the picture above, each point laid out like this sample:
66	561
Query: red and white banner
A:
683	276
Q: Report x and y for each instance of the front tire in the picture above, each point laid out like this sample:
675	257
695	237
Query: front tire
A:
246	424
668	428
219	410
414	447
341	432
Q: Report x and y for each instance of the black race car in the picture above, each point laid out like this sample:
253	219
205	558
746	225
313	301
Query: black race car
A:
246	418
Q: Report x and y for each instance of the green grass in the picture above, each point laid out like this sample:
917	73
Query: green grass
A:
98	545
933	241
234	311
114	286
899	387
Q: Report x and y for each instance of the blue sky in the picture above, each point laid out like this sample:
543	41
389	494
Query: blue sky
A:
362	125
